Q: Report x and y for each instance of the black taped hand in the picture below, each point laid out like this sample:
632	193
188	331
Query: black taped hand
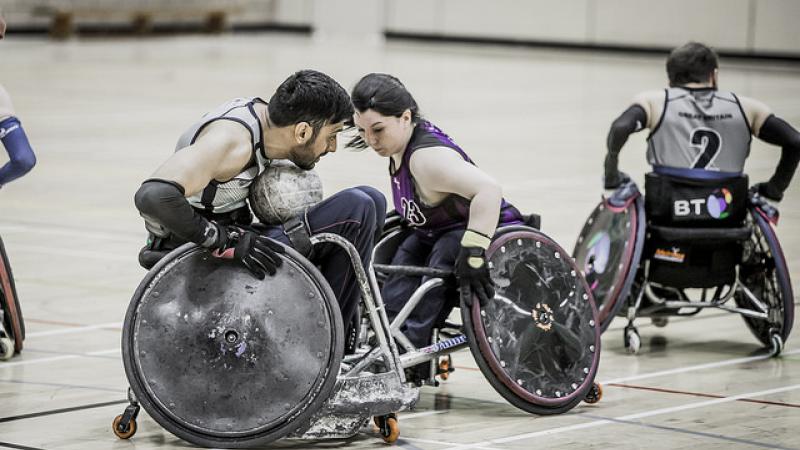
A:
259	254
472	271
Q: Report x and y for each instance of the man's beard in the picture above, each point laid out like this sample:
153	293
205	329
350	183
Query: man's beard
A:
303	157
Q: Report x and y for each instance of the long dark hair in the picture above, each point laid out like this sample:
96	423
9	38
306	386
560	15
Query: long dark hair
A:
386	95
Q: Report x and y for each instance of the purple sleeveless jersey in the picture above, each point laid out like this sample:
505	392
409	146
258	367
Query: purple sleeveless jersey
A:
453	211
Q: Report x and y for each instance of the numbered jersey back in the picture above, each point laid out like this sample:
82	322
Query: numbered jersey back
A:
700	129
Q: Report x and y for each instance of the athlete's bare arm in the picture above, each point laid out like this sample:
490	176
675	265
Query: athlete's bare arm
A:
653	104
756	113
440	171
220	153
6	107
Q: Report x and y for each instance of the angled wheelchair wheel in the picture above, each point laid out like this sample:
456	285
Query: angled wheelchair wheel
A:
608	251
222	359
764	272
13	324
537	341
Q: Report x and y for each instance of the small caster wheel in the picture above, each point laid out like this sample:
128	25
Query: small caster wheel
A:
388	427
124	430
595	394
6	348
445	367
633	342
777	344
660	322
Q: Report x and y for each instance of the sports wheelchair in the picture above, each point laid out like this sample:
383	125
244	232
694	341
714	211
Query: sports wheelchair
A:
686	245
221	359
12	326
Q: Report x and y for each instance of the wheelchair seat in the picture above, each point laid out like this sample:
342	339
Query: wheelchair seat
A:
695	229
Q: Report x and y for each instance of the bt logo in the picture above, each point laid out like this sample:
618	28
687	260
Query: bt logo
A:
716	205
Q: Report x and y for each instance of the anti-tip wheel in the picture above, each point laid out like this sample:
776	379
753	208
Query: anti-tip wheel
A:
660	322
633	342
123	432
595	394
6	348
391	431
777	344
445	367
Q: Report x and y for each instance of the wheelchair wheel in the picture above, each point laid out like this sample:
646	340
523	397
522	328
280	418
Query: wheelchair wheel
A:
764	272
608	251
537	341
222	359
13	323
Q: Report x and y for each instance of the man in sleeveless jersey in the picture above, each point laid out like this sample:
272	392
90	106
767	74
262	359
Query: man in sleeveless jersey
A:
700	131
20	154
199	194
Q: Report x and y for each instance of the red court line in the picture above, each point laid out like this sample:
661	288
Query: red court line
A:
701	394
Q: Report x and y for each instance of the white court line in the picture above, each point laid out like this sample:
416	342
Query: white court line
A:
421	414
71	330
125	236
629	417
6	365
105	256
454	444
727	362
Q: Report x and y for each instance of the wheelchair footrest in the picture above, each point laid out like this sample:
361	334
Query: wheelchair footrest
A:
354	400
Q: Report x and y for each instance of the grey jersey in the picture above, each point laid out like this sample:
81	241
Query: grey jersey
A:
232	194
700	129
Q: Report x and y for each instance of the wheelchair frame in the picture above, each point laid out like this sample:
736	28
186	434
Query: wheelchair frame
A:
662	306
371	381
12	325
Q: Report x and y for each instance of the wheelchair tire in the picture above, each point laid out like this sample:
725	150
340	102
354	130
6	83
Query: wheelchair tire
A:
537	341
222	359
608	251
765	273
9	302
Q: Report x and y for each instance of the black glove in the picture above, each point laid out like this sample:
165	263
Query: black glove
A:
259	254
471	269
759	196
615	180
768	191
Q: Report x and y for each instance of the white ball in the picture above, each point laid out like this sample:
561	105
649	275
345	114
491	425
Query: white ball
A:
283	191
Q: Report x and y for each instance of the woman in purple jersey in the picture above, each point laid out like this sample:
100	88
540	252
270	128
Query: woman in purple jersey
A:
452	205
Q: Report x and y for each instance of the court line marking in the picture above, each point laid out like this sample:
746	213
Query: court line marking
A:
700	394
629	417
61	411
18	446
115	326
110	256
694	433
430	441
6	365
410	416
63	385
712	365
33	227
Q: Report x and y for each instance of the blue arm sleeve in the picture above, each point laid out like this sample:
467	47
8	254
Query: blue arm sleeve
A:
21	157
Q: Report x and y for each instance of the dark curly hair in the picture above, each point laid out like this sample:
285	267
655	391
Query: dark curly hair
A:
309	96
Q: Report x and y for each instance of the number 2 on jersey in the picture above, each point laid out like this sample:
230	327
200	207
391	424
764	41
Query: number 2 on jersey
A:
708	143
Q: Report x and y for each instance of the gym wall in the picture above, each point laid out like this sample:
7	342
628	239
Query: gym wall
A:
745	27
